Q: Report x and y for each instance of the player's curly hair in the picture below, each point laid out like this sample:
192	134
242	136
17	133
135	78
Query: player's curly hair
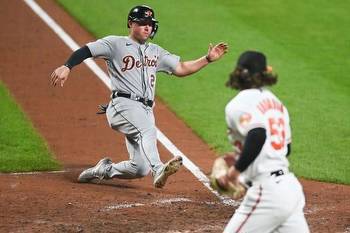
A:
241	79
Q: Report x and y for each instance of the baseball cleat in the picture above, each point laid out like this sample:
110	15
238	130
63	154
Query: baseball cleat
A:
171	167
99	171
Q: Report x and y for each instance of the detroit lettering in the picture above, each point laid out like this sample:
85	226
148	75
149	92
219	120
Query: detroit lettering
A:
130	62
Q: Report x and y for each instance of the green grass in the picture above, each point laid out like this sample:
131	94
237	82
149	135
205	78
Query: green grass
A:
306	42
21	148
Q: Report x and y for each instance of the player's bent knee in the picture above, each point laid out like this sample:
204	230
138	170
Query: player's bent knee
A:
144	135
142	171
150	132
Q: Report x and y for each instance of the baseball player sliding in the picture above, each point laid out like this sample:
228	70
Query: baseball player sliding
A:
259	129
132	66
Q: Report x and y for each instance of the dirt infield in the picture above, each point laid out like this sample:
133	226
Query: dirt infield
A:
54	202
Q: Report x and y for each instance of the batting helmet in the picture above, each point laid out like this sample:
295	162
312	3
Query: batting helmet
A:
143	13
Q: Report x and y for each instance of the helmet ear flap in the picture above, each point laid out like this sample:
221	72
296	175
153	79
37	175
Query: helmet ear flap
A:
154	30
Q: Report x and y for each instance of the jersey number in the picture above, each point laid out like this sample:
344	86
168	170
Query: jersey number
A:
153	80
278	135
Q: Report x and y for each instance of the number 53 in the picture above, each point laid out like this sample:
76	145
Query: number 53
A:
278	135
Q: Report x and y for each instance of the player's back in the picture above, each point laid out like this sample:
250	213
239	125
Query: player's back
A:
260	108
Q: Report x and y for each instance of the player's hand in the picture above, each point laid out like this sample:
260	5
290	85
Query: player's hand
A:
224	178
60	75
217	51
231	176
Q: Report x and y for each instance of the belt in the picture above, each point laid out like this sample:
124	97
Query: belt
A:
145	101
277	173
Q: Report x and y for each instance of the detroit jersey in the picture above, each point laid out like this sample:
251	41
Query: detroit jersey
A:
132	66
259	108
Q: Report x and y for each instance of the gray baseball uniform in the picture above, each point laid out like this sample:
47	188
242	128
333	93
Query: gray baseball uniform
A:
132	68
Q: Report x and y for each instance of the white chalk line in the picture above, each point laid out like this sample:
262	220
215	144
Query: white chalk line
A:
32	173
67	170
67	39
158	203
200	229
192	167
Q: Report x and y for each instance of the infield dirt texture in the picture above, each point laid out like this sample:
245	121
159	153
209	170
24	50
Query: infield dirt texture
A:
54	202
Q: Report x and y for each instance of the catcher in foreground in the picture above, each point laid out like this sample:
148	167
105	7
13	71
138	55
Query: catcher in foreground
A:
259	129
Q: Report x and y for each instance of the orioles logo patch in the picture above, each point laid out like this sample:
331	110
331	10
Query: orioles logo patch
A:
244	119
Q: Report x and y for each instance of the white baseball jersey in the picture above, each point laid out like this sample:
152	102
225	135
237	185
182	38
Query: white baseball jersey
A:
253	108
133	66
274	203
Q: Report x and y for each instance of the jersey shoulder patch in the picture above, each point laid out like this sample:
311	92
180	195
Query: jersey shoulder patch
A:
244	119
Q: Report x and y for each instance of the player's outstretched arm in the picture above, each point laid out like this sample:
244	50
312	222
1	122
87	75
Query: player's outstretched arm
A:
60	74
190	67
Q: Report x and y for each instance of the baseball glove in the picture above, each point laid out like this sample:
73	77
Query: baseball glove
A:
220	168
102	108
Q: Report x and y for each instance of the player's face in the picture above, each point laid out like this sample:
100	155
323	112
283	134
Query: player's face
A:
141	31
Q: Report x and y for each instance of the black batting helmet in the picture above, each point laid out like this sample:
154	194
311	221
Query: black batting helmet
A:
143	13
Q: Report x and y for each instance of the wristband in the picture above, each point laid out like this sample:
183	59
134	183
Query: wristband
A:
69	66
207	58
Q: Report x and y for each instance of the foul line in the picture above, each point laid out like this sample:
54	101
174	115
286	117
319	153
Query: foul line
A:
67	39
158	203
31	173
